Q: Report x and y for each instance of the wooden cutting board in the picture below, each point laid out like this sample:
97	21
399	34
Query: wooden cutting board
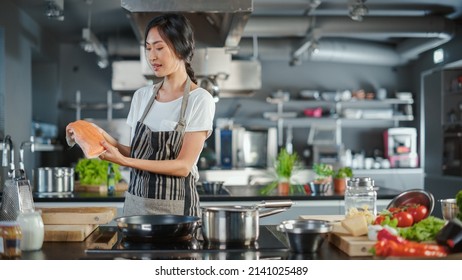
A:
119	187
68	233
354	246
101	239
78	215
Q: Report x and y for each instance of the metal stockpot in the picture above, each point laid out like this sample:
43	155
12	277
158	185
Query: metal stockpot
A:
54	179
237	224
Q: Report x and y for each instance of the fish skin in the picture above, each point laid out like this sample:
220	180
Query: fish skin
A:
87	136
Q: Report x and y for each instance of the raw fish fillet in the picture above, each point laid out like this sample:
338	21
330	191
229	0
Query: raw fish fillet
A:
87	136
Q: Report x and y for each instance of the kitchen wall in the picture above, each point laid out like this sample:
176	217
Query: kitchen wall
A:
21	37
322	76
37	74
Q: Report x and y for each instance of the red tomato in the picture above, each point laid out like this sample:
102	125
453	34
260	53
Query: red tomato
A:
418	212
394	210
379	219
404	219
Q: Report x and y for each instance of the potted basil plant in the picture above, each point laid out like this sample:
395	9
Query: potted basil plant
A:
340	179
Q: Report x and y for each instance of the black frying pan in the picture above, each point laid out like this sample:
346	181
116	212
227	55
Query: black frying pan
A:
157	226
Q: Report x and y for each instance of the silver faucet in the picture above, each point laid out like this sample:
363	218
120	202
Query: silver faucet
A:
8	147
21	151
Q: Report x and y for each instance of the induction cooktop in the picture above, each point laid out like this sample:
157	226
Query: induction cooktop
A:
270	245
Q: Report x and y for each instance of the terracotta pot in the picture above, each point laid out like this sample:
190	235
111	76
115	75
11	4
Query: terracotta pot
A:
340	185
283	188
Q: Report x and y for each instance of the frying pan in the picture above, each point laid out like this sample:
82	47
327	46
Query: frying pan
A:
157	226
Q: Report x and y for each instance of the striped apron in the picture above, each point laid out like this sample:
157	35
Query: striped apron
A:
150	193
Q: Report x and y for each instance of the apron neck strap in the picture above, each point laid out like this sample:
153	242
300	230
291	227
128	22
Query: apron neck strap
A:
184	103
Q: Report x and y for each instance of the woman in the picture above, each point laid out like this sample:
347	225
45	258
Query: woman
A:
170	122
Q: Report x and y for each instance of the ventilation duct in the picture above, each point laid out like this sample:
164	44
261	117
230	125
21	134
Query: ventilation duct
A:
414	34
215	23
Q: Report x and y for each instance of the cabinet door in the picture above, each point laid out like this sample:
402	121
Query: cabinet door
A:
433	131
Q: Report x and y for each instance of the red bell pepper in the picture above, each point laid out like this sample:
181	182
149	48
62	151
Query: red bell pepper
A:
388	247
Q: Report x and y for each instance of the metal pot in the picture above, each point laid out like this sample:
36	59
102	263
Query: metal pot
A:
54	179
157	226
237	224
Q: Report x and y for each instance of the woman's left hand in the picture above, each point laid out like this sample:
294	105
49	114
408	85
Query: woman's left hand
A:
112	154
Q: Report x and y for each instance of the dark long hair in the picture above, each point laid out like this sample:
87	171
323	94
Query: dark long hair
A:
177	32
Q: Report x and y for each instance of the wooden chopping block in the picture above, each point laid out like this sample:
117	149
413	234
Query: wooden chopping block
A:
354	246
119	187
78	215
68	233
101	239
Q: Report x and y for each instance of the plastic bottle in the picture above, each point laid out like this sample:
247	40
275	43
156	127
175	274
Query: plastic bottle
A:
360	195
110	179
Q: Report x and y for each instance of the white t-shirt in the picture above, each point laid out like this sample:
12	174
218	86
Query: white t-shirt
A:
163	116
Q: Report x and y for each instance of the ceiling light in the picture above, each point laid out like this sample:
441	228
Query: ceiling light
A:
358	10
54	9
91	43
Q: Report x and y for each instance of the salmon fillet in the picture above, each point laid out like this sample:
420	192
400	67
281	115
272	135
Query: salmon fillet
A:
87	136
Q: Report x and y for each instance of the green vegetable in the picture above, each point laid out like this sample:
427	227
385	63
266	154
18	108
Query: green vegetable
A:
285	164
425	230
459	204
389	221
322	171
94	171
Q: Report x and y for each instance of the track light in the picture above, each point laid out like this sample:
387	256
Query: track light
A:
92	44
54	9
358	10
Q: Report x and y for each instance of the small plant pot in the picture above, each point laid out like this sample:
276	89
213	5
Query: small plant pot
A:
340	185
319	188
283	187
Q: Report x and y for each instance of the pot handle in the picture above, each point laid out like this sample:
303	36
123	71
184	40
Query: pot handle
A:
280	205
271	212
275	204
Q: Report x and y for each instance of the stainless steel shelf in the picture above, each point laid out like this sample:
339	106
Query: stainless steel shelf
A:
47	147
38	147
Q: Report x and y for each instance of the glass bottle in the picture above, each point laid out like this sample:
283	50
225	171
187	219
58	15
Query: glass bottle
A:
10	239
360	195
110	179
32	229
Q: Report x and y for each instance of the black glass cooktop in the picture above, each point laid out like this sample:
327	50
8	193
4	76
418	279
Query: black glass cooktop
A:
270	244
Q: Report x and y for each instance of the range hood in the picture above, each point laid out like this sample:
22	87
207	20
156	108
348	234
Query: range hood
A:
215	23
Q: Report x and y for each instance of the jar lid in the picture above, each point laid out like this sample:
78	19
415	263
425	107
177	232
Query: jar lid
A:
9	223
360	182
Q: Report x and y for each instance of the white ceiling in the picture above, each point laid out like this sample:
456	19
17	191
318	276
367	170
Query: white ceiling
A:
273	20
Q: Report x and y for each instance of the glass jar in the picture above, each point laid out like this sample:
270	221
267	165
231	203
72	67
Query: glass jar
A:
10	239
360	195
32	229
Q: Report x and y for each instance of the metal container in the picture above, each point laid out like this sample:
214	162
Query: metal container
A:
237	224
449	208
54	180
305	236
414	196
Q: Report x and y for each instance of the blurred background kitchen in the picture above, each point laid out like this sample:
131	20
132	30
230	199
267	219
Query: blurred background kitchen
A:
375	85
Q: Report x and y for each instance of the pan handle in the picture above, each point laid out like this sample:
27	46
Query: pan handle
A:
275	204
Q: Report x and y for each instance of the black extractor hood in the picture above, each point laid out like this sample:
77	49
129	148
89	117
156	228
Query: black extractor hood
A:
215	23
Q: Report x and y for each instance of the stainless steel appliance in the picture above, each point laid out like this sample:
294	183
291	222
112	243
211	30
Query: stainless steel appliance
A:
401	147
238	147
452	151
